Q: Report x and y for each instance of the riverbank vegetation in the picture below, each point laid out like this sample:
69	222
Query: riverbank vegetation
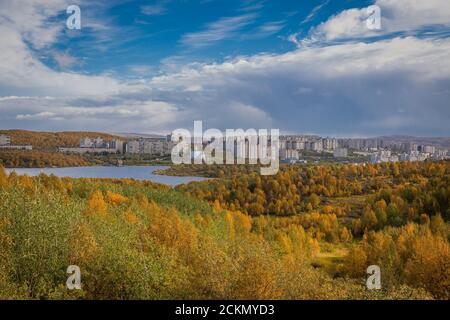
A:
40	159
43	159
208	171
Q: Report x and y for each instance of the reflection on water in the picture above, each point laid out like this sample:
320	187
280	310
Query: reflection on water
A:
133	172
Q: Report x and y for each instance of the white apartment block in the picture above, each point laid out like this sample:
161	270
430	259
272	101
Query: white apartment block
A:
340	153
329	143
86	143
5	143
428	149
289	154
316	146
383	156
97	145
157	147
4	140
133	147
414	156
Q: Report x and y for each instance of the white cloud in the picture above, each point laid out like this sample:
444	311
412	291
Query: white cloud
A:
29	19
316	88
141	70
40	116
103	114
265	30
64	60
396	16
413	14
153	10
314	12
294	38
21	71
399	54
249	115
308	90
222	29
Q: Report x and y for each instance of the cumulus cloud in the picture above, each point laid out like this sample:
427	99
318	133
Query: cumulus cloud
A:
396	16
23	22
351	87
29	20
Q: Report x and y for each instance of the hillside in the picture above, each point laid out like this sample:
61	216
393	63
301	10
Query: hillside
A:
140	240
50	141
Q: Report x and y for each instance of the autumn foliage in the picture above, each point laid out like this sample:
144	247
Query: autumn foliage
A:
141	240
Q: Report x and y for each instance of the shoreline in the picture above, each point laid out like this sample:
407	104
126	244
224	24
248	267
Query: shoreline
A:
152	173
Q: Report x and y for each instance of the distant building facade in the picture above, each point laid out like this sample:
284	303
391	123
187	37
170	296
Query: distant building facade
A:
329	143
97	145
5	143
151	146
340	153
383	156
4	140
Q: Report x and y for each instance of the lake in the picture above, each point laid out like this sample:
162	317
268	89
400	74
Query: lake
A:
132	172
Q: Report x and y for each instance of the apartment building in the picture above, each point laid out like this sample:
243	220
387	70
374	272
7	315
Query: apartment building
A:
340	153
152	146
329	143
4	140
5	143
97	145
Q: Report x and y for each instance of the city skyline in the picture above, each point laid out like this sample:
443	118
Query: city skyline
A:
152	66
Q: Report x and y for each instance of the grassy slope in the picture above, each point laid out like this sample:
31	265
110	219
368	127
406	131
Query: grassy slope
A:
129	248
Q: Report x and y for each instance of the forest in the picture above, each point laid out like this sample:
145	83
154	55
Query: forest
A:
40	159
50	141
307	233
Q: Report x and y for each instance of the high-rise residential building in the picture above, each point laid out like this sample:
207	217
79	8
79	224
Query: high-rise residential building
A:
289	154
5	143
427	149
117	145
329	143
316	146
409	146
98	145
383	156
300	145
153	146
133	147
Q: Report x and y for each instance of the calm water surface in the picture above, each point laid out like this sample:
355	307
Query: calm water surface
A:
133	172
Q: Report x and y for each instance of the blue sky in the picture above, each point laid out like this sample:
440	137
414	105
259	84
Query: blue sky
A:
146	35
301	66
